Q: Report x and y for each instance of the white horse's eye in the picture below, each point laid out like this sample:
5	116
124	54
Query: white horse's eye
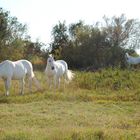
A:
49	60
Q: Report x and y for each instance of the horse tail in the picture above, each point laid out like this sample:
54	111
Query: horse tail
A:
36	82
69	75
32	74
35	79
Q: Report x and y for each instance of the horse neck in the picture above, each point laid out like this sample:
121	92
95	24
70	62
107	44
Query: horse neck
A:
3	67
127	55
48	67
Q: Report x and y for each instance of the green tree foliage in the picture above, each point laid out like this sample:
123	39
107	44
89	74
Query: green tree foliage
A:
82	46
33	52
99	45
122	32
12	34
15	43
60	38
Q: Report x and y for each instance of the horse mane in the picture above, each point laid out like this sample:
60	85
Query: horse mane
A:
127	55
50	55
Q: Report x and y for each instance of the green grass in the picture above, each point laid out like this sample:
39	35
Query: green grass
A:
103	105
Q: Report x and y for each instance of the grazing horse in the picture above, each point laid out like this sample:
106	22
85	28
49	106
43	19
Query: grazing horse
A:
132	60
55	70
17	70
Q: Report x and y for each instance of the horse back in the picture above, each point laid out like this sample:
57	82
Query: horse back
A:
63	63
27	66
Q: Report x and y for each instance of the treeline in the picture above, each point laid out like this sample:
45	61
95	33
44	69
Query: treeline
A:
15	43
83	46
96	46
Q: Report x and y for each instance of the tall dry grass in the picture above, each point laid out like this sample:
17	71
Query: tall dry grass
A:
94	106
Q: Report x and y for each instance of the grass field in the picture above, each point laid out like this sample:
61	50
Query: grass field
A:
102	105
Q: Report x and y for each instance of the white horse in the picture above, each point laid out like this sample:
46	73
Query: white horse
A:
17	70
55	70
132	60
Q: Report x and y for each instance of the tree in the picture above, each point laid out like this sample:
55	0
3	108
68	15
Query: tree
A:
12	34
102	46
122	32
60	38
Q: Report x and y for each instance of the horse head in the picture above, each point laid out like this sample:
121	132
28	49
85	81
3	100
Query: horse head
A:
50	55
126	56
50	61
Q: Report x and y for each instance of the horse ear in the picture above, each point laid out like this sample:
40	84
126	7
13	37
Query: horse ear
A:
127	54
50	55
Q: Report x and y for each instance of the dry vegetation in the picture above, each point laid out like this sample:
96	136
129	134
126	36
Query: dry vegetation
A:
95	106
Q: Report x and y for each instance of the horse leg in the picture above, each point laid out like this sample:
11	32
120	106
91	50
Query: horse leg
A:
55	82
65	80
58	82
7	85
22	86
49	81
129	66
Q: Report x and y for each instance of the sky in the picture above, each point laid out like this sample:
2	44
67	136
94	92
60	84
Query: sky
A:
42	15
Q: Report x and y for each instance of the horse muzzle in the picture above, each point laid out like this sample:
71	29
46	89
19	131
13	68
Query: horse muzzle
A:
53	68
